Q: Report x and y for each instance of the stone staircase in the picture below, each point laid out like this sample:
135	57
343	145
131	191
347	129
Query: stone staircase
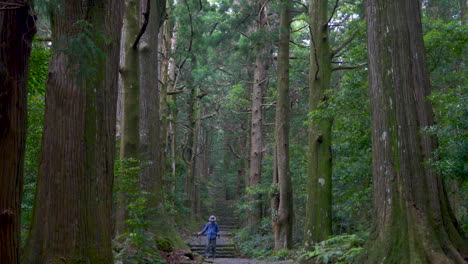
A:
228	223
222	251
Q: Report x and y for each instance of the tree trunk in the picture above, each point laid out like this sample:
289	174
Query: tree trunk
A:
17	28
318	220
172	107
261	79
413	221
151	180
129	143
282	209
463	13
72	210
164	109
191	147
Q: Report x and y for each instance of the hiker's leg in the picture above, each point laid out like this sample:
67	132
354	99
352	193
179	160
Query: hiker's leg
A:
208	245
214	248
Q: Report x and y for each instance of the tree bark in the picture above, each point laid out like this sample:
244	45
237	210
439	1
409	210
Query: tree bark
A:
261	80
191	146
151	145
72	210
318	220
413	220
130	135
17	29
282	209
463	13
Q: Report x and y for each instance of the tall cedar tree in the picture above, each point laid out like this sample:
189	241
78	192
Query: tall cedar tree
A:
260	84
282	202
129	72
17	28
151	145
73	203
413	220
318	220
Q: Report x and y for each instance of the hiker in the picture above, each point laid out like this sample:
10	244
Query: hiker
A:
212	231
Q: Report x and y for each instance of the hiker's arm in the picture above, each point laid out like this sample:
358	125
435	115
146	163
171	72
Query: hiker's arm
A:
204	229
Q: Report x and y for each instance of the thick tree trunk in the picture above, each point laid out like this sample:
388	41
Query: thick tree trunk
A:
151	180
72	210
282	209
261	80
318	221
17	28
413	221
129	140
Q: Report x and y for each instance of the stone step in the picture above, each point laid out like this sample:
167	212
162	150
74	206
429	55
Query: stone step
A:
219	252
224	256
217	246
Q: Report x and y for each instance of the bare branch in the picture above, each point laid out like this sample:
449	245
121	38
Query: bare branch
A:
299	29
299	45
333	12
192	33
233	152
343	44
174	92
145	24
339	68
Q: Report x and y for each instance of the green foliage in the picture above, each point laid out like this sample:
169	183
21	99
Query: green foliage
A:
280	255
445	45
452	115
136	244
37	78
256	242
337	250
38	66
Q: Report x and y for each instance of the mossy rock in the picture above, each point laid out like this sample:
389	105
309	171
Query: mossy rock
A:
165	244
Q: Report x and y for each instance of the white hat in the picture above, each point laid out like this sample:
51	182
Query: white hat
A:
212	218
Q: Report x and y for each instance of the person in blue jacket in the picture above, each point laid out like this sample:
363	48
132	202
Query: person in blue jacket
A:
212	231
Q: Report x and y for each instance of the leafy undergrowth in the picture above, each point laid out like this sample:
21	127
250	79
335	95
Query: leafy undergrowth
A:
336	250
255	243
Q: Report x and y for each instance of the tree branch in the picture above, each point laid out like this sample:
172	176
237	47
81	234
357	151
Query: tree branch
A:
339	68
4	6
333	12
233	152
174	92
343	45
145	24
192	33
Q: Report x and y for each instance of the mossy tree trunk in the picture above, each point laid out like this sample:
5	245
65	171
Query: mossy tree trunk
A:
130	135
318	220
413	221
72	209
260	84
282	202
17	28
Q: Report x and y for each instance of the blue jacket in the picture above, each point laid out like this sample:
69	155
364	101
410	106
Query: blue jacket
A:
211	230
